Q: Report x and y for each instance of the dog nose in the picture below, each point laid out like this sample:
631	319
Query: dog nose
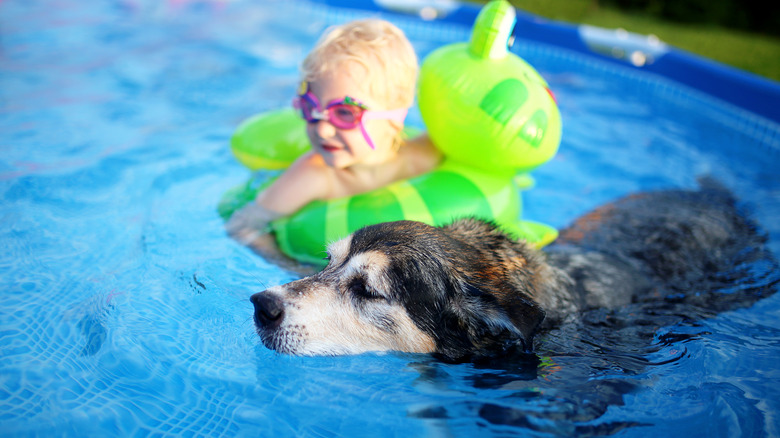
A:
269	309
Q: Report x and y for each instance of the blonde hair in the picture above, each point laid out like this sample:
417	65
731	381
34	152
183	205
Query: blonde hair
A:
380	47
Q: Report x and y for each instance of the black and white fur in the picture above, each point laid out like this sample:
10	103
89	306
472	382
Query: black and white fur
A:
468	290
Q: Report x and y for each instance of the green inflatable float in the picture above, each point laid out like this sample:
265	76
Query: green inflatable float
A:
487	110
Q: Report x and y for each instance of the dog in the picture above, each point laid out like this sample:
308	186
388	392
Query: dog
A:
467	290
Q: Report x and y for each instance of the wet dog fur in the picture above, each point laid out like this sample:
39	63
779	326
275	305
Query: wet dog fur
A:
467	290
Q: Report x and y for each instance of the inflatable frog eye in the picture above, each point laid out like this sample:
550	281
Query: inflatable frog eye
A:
483	105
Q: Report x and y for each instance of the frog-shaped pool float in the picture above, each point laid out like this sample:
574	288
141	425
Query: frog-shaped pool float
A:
487	110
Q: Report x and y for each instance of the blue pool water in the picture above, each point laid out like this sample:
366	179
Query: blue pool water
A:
123	305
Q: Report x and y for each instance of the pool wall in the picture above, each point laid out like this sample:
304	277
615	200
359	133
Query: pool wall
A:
743	89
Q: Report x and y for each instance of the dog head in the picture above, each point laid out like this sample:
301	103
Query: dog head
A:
461	291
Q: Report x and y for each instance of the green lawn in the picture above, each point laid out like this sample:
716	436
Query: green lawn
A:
755	53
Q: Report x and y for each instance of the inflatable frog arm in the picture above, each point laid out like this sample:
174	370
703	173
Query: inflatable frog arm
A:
492	30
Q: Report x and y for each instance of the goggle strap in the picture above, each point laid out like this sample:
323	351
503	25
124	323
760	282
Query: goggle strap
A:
397	114
365	135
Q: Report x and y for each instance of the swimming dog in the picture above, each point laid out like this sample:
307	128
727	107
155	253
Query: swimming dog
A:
468	290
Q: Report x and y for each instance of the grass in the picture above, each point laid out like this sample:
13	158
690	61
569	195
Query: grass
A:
755	53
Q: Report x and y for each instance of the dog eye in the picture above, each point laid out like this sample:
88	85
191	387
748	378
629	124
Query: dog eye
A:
359	288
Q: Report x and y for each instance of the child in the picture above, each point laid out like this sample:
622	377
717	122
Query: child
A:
358	83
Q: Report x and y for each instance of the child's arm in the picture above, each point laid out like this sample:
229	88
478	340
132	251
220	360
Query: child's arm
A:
304	181
249	226
250	221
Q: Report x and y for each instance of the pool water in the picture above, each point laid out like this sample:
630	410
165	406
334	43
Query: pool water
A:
124	307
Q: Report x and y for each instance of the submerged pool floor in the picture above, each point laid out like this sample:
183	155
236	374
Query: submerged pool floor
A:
124	306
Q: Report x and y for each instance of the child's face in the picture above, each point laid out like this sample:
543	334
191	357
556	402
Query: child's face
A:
342	148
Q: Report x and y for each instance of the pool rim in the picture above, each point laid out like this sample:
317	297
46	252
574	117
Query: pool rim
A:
743	89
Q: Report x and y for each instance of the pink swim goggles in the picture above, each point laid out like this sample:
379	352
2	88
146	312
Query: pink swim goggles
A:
348	113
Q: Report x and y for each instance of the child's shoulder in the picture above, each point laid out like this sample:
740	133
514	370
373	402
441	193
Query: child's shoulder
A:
310	161
310	169
420	155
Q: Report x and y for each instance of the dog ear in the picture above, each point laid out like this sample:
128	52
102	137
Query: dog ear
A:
527	316
491	324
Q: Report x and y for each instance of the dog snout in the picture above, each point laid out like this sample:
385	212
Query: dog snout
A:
269	309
